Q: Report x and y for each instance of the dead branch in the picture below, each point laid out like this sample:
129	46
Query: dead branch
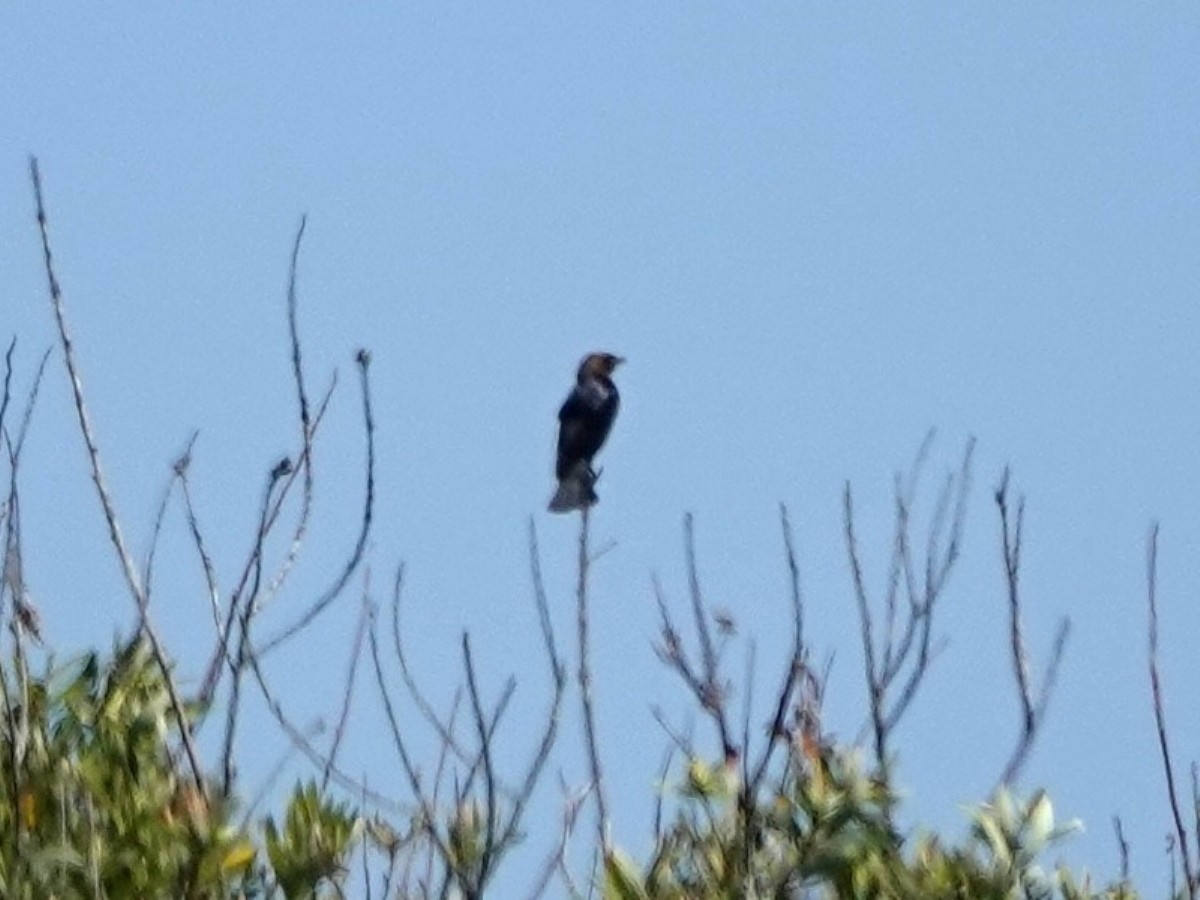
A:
1122	848
1033	709
110	515
8	373
444	732
339	730
429	821
1185	852
897	661
796	665
182	467
285	474
585	688
244	655
704	680
557	860
318	760
558	679
363	360
24	620
161	514
305	456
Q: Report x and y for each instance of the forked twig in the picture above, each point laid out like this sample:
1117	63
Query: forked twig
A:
363	359
1033	710
897	661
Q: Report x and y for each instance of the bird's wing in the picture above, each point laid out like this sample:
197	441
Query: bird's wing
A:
584	421
576	406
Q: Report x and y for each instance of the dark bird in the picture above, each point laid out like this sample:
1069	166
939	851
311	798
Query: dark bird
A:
583	424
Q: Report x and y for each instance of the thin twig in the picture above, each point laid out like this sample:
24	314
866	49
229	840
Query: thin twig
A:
315	757
1032	709
8	373
363	360
307	429
489	773
1159	715
160	516
110	515
714	692
1122	847
428	813
286	474
896	662
556	861
339	730
183	467
558	677
264	789
30	404
444	732
795	665
245	654
875	690
585	689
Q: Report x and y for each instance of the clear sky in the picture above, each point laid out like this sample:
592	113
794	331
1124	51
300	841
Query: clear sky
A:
815	230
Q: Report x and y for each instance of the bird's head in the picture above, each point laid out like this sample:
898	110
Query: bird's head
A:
599	365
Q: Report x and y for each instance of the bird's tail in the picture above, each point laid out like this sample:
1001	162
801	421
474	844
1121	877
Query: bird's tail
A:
575	491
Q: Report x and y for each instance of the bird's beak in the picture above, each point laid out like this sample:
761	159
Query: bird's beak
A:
618	360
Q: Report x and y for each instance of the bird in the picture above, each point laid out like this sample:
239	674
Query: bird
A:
584	421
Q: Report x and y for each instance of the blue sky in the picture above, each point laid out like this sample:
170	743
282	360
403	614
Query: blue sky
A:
815	230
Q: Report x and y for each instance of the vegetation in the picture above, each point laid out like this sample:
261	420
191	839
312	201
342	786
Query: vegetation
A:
104	795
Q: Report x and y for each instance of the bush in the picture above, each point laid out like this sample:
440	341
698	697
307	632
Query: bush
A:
102	793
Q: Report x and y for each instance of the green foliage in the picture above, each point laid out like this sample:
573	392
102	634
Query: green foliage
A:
317	836
95	803
826	831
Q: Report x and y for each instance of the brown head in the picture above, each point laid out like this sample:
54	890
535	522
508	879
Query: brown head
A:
598	365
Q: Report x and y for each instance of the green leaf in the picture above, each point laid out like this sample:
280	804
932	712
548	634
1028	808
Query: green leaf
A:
621	881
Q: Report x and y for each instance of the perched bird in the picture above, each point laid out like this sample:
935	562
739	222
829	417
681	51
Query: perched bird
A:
583	424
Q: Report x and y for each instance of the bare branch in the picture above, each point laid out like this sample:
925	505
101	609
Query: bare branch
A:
245	654
896	662
795	664
585	687
159	517
110	515
318	760
307	428
789	545
558	677
428	812
285	474
30	404
339	730
182	467
875	691
85	426
556	861
8	373
444	732
1033	708
489	774
1185	854
316	728
1122	847
705	684
363	359
708	656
